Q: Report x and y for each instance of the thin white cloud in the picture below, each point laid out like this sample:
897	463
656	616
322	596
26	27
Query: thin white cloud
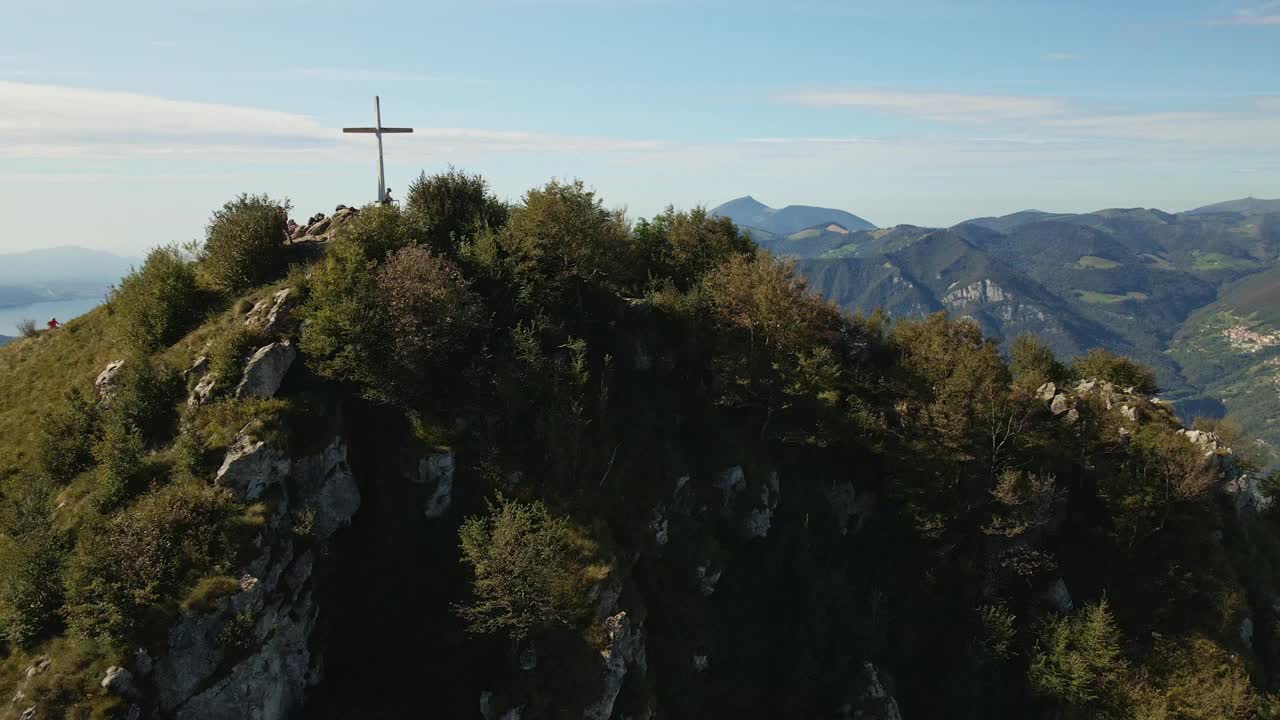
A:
1062	57
1267	13
58	122
937	106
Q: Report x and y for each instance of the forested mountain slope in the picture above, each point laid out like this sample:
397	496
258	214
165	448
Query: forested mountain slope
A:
533	461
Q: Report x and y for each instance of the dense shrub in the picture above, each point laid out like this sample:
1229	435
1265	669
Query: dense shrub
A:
1032	363
64	445
143	394
376	232
387	328
451	207
126	569
1103	364
158	302
561	243
244	242
1078	664
684	246
119	454
27	328
430	315
30	585
532	569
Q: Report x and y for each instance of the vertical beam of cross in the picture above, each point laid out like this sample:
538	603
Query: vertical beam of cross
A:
378	130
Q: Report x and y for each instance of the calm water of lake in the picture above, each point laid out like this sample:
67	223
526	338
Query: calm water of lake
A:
64	310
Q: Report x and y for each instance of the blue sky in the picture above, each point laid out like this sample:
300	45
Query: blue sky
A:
122	125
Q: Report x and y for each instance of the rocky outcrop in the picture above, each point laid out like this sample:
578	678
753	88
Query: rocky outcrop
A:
623	653
106	379
760	518
1058	597
271	316
252	655
850	507
435	472
875	702
982	291
708	577
730	483
265	371
320	227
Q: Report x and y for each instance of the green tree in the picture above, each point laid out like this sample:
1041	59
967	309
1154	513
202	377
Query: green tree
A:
376	232
684	246
1078	663
244	242
155	304
143	395
561	246
1102	364
120	455
532	570
67	433
30	584
451	207
1033	363
131	567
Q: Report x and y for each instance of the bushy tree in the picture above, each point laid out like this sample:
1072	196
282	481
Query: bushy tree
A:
532	570
158	302
393	329
1103	364
129	566
143	395
244	242
774	340
1078	664
67	433
451	207
1033	363
119	454
684	246
30	584
562	244
376	232
431	318
1162	476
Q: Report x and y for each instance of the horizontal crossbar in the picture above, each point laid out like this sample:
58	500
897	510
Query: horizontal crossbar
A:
375	130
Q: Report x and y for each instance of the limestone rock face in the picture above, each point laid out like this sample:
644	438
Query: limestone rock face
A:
119	681
760	518
875	703
708	578
850	507
1061	403
436	473
272	315
106	379
251	466
624	653
264	670
1058	597
1047	391
731	482
266	370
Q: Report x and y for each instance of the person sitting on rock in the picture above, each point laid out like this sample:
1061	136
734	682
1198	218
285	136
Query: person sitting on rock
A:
386	197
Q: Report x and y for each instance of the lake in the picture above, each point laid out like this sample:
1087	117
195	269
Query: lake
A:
64	310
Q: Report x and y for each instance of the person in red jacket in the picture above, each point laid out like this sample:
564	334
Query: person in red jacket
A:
53	323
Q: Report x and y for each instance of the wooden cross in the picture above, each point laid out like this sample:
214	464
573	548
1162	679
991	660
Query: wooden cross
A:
378	130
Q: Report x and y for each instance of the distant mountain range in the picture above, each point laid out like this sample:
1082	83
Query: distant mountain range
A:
1196	295
60	273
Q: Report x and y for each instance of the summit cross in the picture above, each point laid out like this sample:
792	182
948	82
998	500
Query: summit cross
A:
378	130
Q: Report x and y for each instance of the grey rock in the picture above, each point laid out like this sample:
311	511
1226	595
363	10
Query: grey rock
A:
1072	417
203	390
730	482
760	518
265	371
875	703
1058	597
708	578
28	714
324	485
1246	632
250	467
1047	391
660	527
624	653
528	659
701	663
849	506
119	681
1247	495
1061	403
106	380
272	315
436	472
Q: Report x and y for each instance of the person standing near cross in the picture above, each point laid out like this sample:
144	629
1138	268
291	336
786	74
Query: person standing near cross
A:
384	194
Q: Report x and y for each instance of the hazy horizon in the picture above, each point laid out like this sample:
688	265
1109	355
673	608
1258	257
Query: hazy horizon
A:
925	113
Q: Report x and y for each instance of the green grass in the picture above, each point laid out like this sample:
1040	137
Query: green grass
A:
1093	262
805	234
1218	261
1097	298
